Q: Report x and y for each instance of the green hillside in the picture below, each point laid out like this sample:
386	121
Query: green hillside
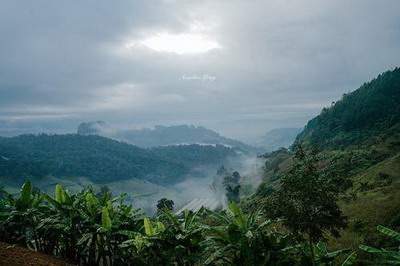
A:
357	142
101	159
360	116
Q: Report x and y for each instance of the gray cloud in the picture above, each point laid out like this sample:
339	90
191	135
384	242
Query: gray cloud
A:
279	61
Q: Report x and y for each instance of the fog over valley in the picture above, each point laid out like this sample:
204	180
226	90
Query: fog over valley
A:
191	133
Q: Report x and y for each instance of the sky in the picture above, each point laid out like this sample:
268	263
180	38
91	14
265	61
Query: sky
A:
238	67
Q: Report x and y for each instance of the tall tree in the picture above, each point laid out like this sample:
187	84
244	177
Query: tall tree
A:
232	186
165	204
307	200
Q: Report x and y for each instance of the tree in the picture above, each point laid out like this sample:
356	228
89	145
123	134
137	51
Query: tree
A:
306	201
165	204
232	186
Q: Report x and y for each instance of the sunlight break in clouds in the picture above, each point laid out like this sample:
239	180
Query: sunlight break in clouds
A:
185	43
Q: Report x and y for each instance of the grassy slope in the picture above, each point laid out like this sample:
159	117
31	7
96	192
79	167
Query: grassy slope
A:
363	155
378	205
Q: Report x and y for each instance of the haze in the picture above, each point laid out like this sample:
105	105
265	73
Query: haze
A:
238	67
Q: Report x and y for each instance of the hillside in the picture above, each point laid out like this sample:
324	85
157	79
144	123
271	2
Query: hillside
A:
101	159
278	138
361	116
357	141
161	135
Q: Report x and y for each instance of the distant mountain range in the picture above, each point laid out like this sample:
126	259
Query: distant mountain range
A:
278	138
103	160
162	135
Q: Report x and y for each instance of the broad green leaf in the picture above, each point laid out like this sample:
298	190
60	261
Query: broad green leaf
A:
265	223
322	247
105	219
148	227
336	253
350	260
238	214
59	194
85	239
370	249
160	227
389	232
67	197
26	192
91	202
52	201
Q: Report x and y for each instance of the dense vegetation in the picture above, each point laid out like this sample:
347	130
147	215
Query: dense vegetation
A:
102	159
356	145
91	228
370	111
195	155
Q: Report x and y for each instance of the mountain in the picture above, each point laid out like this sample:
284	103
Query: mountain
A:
278	138
102	159
94	128
162	135
357	140
368	113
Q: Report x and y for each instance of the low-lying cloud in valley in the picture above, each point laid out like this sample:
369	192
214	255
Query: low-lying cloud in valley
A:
65	62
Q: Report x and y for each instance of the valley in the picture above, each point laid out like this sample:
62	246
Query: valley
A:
200	133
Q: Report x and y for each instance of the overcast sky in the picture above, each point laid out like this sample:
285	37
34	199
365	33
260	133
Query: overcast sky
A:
238	67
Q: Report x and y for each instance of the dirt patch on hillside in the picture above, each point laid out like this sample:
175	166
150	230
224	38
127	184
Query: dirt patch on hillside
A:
11	255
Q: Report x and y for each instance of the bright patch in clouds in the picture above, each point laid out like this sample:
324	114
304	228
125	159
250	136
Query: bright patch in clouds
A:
180	43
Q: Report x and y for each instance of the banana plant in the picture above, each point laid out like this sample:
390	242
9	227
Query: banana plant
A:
183	235
323	256
385	256
64	222
242	239
145	248
96	229
20	215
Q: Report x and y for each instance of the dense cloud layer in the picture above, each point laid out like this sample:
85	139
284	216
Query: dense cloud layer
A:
277	64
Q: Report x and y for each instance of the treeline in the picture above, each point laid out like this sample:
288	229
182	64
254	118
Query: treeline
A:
371	110
101	159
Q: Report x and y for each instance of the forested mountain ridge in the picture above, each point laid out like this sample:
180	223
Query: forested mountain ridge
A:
367	112
101	159
357	143
161	135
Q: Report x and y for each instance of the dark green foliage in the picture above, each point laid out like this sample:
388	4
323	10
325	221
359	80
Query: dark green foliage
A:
232	187
236	238
83	227
306	200
98	158
91	228
368	111
165	205
387	255
101	159
195	155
